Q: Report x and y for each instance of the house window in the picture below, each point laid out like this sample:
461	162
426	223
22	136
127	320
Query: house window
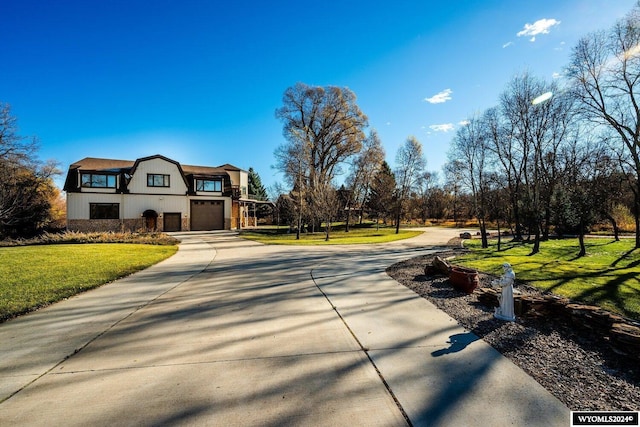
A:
157	180
104	210
98	180
209	185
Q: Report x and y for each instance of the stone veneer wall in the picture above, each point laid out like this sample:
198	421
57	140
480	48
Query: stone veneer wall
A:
93	225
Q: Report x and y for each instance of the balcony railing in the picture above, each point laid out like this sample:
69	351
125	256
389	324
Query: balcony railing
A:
233	192
257	197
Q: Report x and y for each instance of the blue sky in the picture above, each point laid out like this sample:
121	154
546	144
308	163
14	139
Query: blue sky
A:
199	81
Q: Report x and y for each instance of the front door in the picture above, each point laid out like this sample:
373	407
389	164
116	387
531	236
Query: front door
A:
151	223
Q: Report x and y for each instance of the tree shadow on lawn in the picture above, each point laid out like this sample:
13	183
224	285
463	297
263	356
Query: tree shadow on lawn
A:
607	294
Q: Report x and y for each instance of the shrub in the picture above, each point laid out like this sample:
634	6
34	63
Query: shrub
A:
150	238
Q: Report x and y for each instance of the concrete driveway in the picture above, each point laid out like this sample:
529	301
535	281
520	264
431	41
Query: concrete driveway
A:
231	332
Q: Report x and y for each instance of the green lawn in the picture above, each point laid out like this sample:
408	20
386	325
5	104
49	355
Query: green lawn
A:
34	276
608	276
356	235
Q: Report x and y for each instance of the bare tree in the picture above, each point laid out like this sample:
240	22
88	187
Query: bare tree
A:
26	186
469	149
536	131
425	188
453	177
509	157
326	205
323	127
605	72
410	164
498	202
365	165
439	202
14	148
579	199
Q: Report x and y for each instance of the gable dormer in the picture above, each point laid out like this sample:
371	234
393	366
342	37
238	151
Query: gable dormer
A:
157	175
92	175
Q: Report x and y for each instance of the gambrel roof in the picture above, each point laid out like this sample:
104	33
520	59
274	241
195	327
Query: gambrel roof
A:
117	167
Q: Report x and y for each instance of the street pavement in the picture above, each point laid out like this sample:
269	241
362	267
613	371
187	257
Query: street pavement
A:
232	332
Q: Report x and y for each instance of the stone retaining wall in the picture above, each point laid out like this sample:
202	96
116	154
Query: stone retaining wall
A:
623	334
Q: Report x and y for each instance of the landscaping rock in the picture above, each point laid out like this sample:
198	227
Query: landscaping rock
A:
590	368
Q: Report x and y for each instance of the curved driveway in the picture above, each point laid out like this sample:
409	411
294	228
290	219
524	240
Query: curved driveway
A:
231	332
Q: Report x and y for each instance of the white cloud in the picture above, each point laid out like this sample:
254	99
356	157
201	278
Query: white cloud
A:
464	122
541	26
507	44
556	75
445	127
441	97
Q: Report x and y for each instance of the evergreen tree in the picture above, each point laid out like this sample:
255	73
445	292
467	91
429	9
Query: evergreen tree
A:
381	199
256	189
258	192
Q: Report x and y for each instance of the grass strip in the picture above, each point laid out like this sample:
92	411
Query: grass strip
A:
337	237
35	276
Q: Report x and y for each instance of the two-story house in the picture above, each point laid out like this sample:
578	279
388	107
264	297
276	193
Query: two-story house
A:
155	193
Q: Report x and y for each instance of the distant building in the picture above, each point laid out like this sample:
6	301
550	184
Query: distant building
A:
156	193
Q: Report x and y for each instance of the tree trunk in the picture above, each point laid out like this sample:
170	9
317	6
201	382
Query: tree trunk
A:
536	240
517	235
547	224
499	235
636	214
346	226
455	210
583	249
398	214
614	224
483	234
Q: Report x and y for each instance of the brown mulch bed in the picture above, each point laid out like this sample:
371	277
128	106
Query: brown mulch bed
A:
576	366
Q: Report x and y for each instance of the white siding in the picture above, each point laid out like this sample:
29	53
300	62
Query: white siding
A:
235	177
244	183
172	199
99	190
241	179
138	183
78	203
131	206
209	194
